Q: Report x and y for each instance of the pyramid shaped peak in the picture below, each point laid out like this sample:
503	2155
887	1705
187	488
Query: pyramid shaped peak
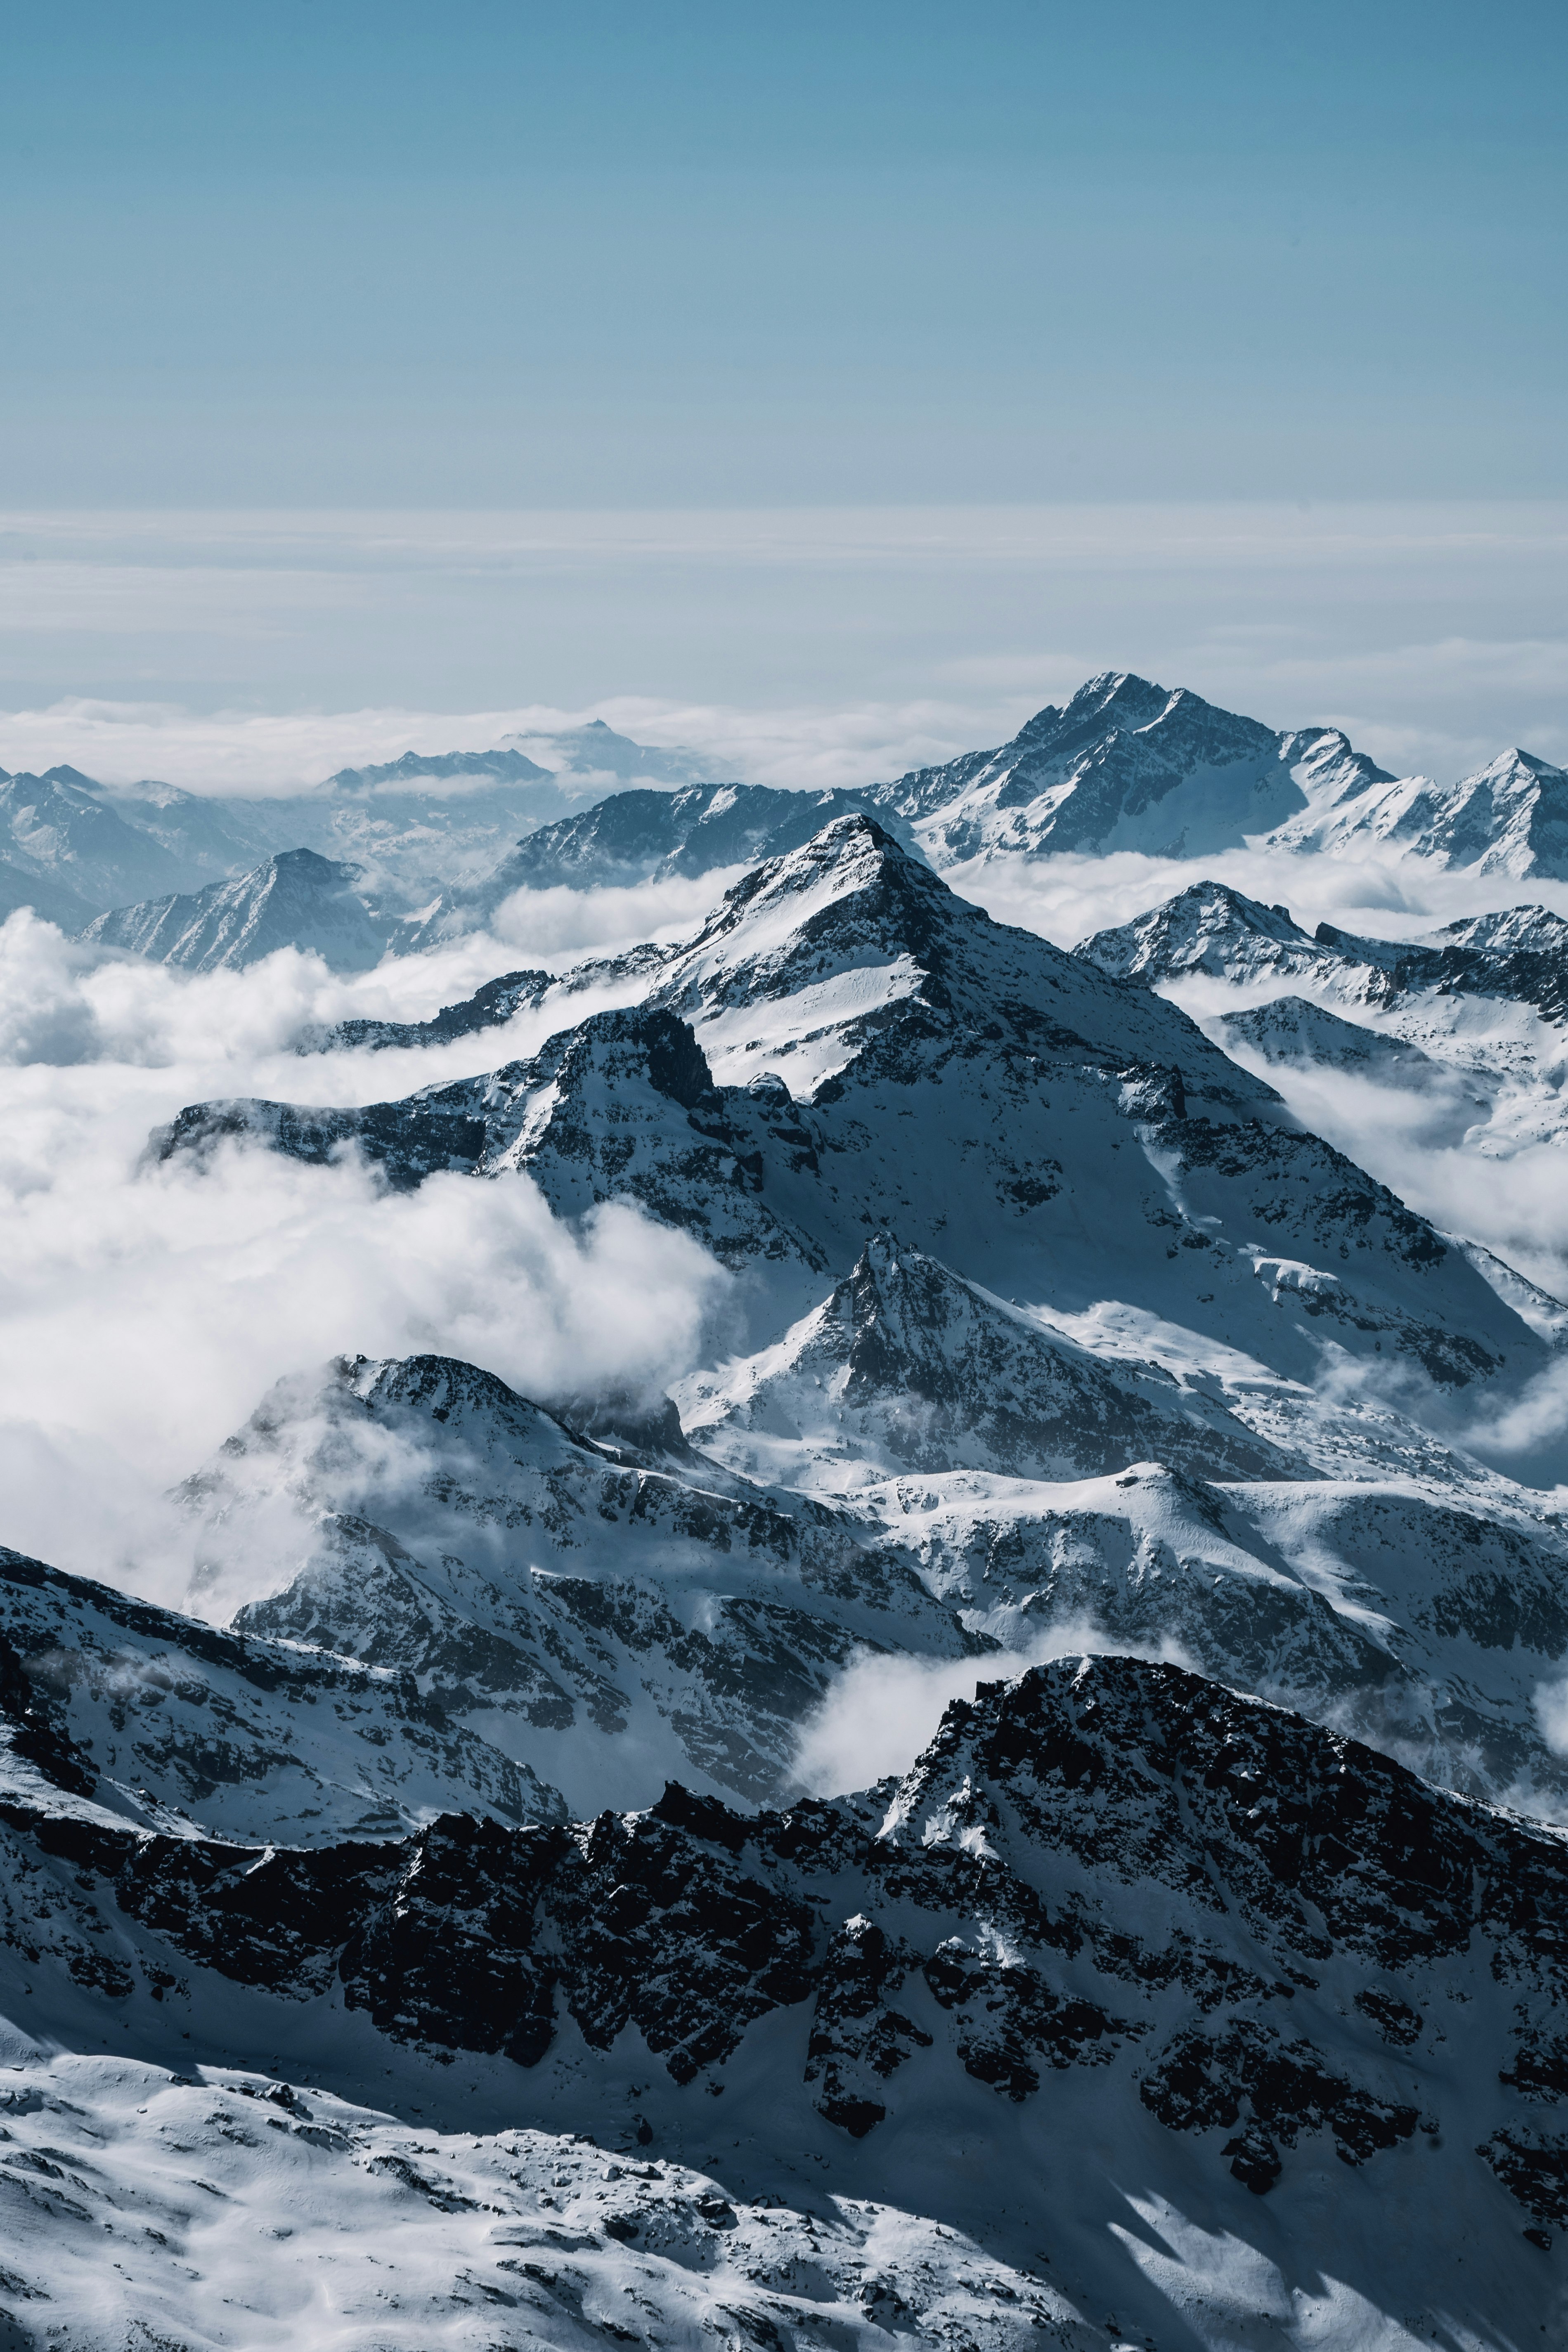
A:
1514	763
1187	931
852	848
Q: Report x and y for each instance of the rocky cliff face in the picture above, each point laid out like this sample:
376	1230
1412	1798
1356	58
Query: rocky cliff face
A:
1155	1932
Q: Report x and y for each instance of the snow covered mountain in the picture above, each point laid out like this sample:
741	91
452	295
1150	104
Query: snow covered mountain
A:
1518	956
593	755
294	899
490	1007
426	823
439	826
906	1368
1510	817
1471	1016
63	830
643	836
602	1618
1127	765
191	1730
767	1091
442	839
456	1904
1135	2011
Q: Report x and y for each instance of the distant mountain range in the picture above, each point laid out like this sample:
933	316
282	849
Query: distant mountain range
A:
1129	765
74	849
439	841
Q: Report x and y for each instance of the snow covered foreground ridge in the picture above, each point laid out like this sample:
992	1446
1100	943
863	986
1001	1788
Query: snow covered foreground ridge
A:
1123	1955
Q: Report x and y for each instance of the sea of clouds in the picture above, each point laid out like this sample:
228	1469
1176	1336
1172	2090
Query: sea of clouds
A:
145	1308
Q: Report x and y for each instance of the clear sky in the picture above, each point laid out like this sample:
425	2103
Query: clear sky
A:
496	254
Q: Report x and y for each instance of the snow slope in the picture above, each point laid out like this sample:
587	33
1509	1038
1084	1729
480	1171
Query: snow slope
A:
600	1620
773	1097
1135	2012
1473	1015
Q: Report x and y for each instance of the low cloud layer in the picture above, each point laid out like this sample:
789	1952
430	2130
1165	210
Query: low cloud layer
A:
881	1712
142	1312
277	646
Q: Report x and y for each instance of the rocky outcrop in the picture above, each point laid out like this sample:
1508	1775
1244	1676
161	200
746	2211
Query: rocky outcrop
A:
1274	1943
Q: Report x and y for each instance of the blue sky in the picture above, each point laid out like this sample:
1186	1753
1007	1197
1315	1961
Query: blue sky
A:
318	253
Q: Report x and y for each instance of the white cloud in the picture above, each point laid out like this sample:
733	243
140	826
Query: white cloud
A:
308	642
880	1712
142	1312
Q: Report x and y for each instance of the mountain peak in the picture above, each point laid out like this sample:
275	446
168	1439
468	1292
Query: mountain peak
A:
294	898
1208	927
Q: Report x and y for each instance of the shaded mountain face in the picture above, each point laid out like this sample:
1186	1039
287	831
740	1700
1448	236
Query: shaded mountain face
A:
295	900
1293	1029
1117	1925
209	839
490	1007
168	1724
21	887
847	1047
1127	765
62	829
596	1618
643	836
906	1368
